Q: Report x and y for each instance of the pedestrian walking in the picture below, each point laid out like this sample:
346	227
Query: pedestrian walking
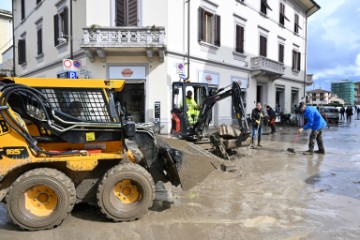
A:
357	113
349	113
271	119
342	113
316	123
257	116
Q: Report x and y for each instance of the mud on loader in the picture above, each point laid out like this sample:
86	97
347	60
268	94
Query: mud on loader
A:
65	141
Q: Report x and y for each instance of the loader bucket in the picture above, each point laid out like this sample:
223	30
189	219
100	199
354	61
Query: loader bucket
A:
196	163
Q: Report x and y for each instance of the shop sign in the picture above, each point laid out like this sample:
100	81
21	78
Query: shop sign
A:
127	72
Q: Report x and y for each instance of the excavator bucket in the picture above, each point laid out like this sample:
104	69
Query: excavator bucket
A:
197	163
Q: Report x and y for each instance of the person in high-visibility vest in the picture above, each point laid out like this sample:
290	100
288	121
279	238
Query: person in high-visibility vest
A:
192	112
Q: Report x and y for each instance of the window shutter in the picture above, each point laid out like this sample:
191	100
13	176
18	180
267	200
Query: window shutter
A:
201	23
56	30
299	61
39	42
217	30
132	13
22	9
293	59
21	51
66	23
281	53
239	39
120	13
263	43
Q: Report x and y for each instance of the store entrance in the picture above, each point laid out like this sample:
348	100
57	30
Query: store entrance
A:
132	98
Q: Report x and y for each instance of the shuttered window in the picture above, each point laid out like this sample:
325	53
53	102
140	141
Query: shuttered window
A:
264	6
209	27
39	42
126	13
22	9
296	24
239	39
281	53
263	46
296	60
282	14
21	51
61	26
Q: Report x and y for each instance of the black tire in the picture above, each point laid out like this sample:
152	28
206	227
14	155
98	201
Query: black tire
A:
21	206
142	186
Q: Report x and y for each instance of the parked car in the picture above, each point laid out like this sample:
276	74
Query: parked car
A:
331	112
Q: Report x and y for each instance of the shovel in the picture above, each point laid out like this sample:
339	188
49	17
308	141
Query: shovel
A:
296	138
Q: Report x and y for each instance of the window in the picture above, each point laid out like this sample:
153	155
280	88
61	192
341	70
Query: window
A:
126	13
209	27
61	26
296	24
296	60
239	47
282	14
39	42
264	7
263	46
281	52
21	51
22	9
38	1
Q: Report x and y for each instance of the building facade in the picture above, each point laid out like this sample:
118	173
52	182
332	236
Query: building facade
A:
261	44
357	93
344	89
318	97
6	34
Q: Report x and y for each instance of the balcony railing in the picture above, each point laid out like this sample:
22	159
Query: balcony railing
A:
267	66
124	37
102	40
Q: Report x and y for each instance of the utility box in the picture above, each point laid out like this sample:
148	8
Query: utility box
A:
157	117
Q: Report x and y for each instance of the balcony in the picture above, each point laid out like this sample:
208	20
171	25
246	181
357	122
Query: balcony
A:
102	41
262	66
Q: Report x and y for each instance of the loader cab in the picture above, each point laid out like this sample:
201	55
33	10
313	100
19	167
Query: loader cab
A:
180	124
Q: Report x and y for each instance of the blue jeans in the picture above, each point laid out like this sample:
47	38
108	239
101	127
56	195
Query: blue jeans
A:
259	133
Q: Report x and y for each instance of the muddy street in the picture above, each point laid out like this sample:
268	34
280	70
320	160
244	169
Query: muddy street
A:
275	194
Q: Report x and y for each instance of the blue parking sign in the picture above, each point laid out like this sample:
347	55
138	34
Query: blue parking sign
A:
72	75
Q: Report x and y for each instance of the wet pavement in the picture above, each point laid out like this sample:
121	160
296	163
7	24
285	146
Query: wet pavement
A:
274	194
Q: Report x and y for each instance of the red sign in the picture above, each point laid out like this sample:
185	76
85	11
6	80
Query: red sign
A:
127	72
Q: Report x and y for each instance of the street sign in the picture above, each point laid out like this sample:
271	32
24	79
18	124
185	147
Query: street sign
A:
182	76
71	65
72	75
180	68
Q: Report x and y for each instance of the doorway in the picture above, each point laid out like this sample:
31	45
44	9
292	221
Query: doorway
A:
280	99
132	98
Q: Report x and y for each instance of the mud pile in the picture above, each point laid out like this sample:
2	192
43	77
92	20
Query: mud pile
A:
197	163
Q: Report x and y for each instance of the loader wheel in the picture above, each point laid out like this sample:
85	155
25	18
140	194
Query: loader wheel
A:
40	199
126	192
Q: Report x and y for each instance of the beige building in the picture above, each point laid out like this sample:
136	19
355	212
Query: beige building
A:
261	44
5	32
318	96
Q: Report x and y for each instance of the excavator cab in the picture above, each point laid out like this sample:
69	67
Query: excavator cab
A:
182	122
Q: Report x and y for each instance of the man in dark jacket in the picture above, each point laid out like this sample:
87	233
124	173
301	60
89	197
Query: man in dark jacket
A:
316	122
271	119
257	116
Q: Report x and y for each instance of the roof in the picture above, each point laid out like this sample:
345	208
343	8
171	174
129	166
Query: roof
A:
318	91
310	6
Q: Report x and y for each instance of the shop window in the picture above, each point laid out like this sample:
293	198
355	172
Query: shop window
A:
126	13
61	26
209	27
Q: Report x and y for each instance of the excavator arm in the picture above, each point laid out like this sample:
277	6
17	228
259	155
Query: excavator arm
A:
205	113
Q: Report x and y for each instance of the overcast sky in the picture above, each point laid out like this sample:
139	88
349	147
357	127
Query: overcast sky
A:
333	41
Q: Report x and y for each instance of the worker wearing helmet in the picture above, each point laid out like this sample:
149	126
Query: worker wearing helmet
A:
192	112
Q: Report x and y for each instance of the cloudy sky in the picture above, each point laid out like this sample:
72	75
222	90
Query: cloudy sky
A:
333	41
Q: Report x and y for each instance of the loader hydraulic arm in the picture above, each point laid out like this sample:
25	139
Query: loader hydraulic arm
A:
205	112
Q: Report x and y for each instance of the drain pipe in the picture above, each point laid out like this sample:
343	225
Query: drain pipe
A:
188	41
71	30
13	36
